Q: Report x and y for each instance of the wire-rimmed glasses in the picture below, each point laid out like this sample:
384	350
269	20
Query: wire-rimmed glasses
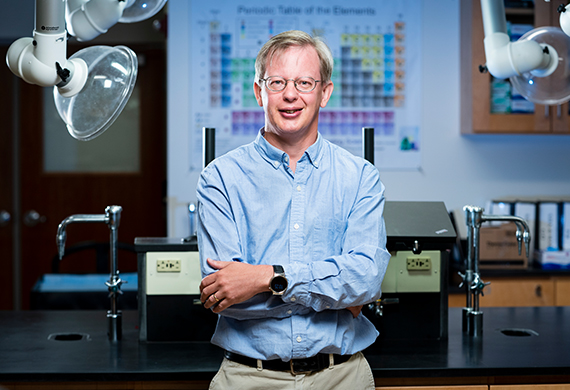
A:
302	84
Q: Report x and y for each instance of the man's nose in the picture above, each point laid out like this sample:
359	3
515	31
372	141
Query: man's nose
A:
290	91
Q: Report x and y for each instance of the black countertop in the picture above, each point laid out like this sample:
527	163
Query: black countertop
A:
29	350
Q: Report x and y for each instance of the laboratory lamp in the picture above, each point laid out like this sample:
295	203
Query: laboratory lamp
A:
564	18
537	64
92	87
86	19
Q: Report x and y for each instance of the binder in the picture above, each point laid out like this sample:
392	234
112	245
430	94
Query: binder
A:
565	226
548	229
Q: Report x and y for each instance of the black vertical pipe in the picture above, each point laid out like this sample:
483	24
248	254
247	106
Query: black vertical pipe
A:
368	144
208	145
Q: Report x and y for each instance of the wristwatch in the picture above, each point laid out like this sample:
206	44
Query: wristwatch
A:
278	283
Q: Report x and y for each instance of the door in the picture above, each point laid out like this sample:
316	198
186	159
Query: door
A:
52	191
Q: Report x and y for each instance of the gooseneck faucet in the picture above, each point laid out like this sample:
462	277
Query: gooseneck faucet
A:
112	218
474	217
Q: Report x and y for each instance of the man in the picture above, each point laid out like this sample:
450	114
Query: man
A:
291	237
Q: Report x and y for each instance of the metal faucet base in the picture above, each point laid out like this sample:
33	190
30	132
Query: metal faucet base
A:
115	332
475	323
464	319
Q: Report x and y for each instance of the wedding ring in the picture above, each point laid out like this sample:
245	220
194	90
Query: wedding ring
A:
216	298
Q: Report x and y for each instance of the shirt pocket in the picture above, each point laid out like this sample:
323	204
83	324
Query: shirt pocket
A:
328	237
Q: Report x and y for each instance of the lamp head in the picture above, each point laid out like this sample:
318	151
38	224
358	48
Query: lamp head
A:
137	10
552	86
112	73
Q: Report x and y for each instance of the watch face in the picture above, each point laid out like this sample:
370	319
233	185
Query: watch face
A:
278	284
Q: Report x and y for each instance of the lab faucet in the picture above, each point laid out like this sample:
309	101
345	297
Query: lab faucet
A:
474	217
112	218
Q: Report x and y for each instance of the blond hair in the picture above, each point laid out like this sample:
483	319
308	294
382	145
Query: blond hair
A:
281	42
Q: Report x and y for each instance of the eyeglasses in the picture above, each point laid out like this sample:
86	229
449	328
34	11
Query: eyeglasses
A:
302	84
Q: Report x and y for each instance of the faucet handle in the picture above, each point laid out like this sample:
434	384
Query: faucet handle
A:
114	285
478	285
462	278
377	307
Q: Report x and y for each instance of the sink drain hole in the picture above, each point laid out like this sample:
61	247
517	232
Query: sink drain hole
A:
68	336
516	332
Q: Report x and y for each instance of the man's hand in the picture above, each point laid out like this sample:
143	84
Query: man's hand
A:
234	282
355	310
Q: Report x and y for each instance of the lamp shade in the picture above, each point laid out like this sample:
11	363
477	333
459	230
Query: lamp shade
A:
553	89
138	10
112	72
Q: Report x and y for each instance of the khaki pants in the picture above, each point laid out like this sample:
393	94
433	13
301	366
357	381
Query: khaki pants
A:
355	374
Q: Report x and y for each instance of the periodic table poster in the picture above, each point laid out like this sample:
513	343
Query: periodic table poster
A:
376	47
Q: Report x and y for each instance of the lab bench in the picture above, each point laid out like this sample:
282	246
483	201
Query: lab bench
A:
70	350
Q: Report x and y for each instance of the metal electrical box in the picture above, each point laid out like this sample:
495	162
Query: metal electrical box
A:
169	292
415	288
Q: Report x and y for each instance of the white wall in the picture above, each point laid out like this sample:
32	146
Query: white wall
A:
456	169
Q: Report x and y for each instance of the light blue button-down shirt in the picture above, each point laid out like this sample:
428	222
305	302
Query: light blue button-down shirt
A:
323	224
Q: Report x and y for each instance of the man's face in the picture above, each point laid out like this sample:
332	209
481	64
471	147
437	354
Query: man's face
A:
290	113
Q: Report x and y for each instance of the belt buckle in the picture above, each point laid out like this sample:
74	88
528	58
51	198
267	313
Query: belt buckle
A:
292	366
300	366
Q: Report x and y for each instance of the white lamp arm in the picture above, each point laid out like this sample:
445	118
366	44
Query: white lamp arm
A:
87	19
42	60
34	59
506	59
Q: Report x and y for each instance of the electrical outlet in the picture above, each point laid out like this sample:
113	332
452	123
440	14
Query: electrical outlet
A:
168	266
418	263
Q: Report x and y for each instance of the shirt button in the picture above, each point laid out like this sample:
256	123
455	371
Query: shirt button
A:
299	188
293	299
296	226
289	311
286	159
276	163
299	339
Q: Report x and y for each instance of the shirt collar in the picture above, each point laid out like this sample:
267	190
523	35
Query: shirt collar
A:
276	157
314	153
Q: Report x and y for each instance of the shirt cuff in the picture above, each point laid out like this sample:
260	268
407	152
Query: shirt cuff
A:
299	279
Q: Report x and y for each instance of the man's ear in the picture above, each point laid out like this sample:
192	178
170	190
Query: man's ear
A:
257	92
327	92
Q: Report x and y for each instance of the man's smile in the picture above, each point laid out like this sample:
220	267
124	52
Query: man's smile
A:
290	111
